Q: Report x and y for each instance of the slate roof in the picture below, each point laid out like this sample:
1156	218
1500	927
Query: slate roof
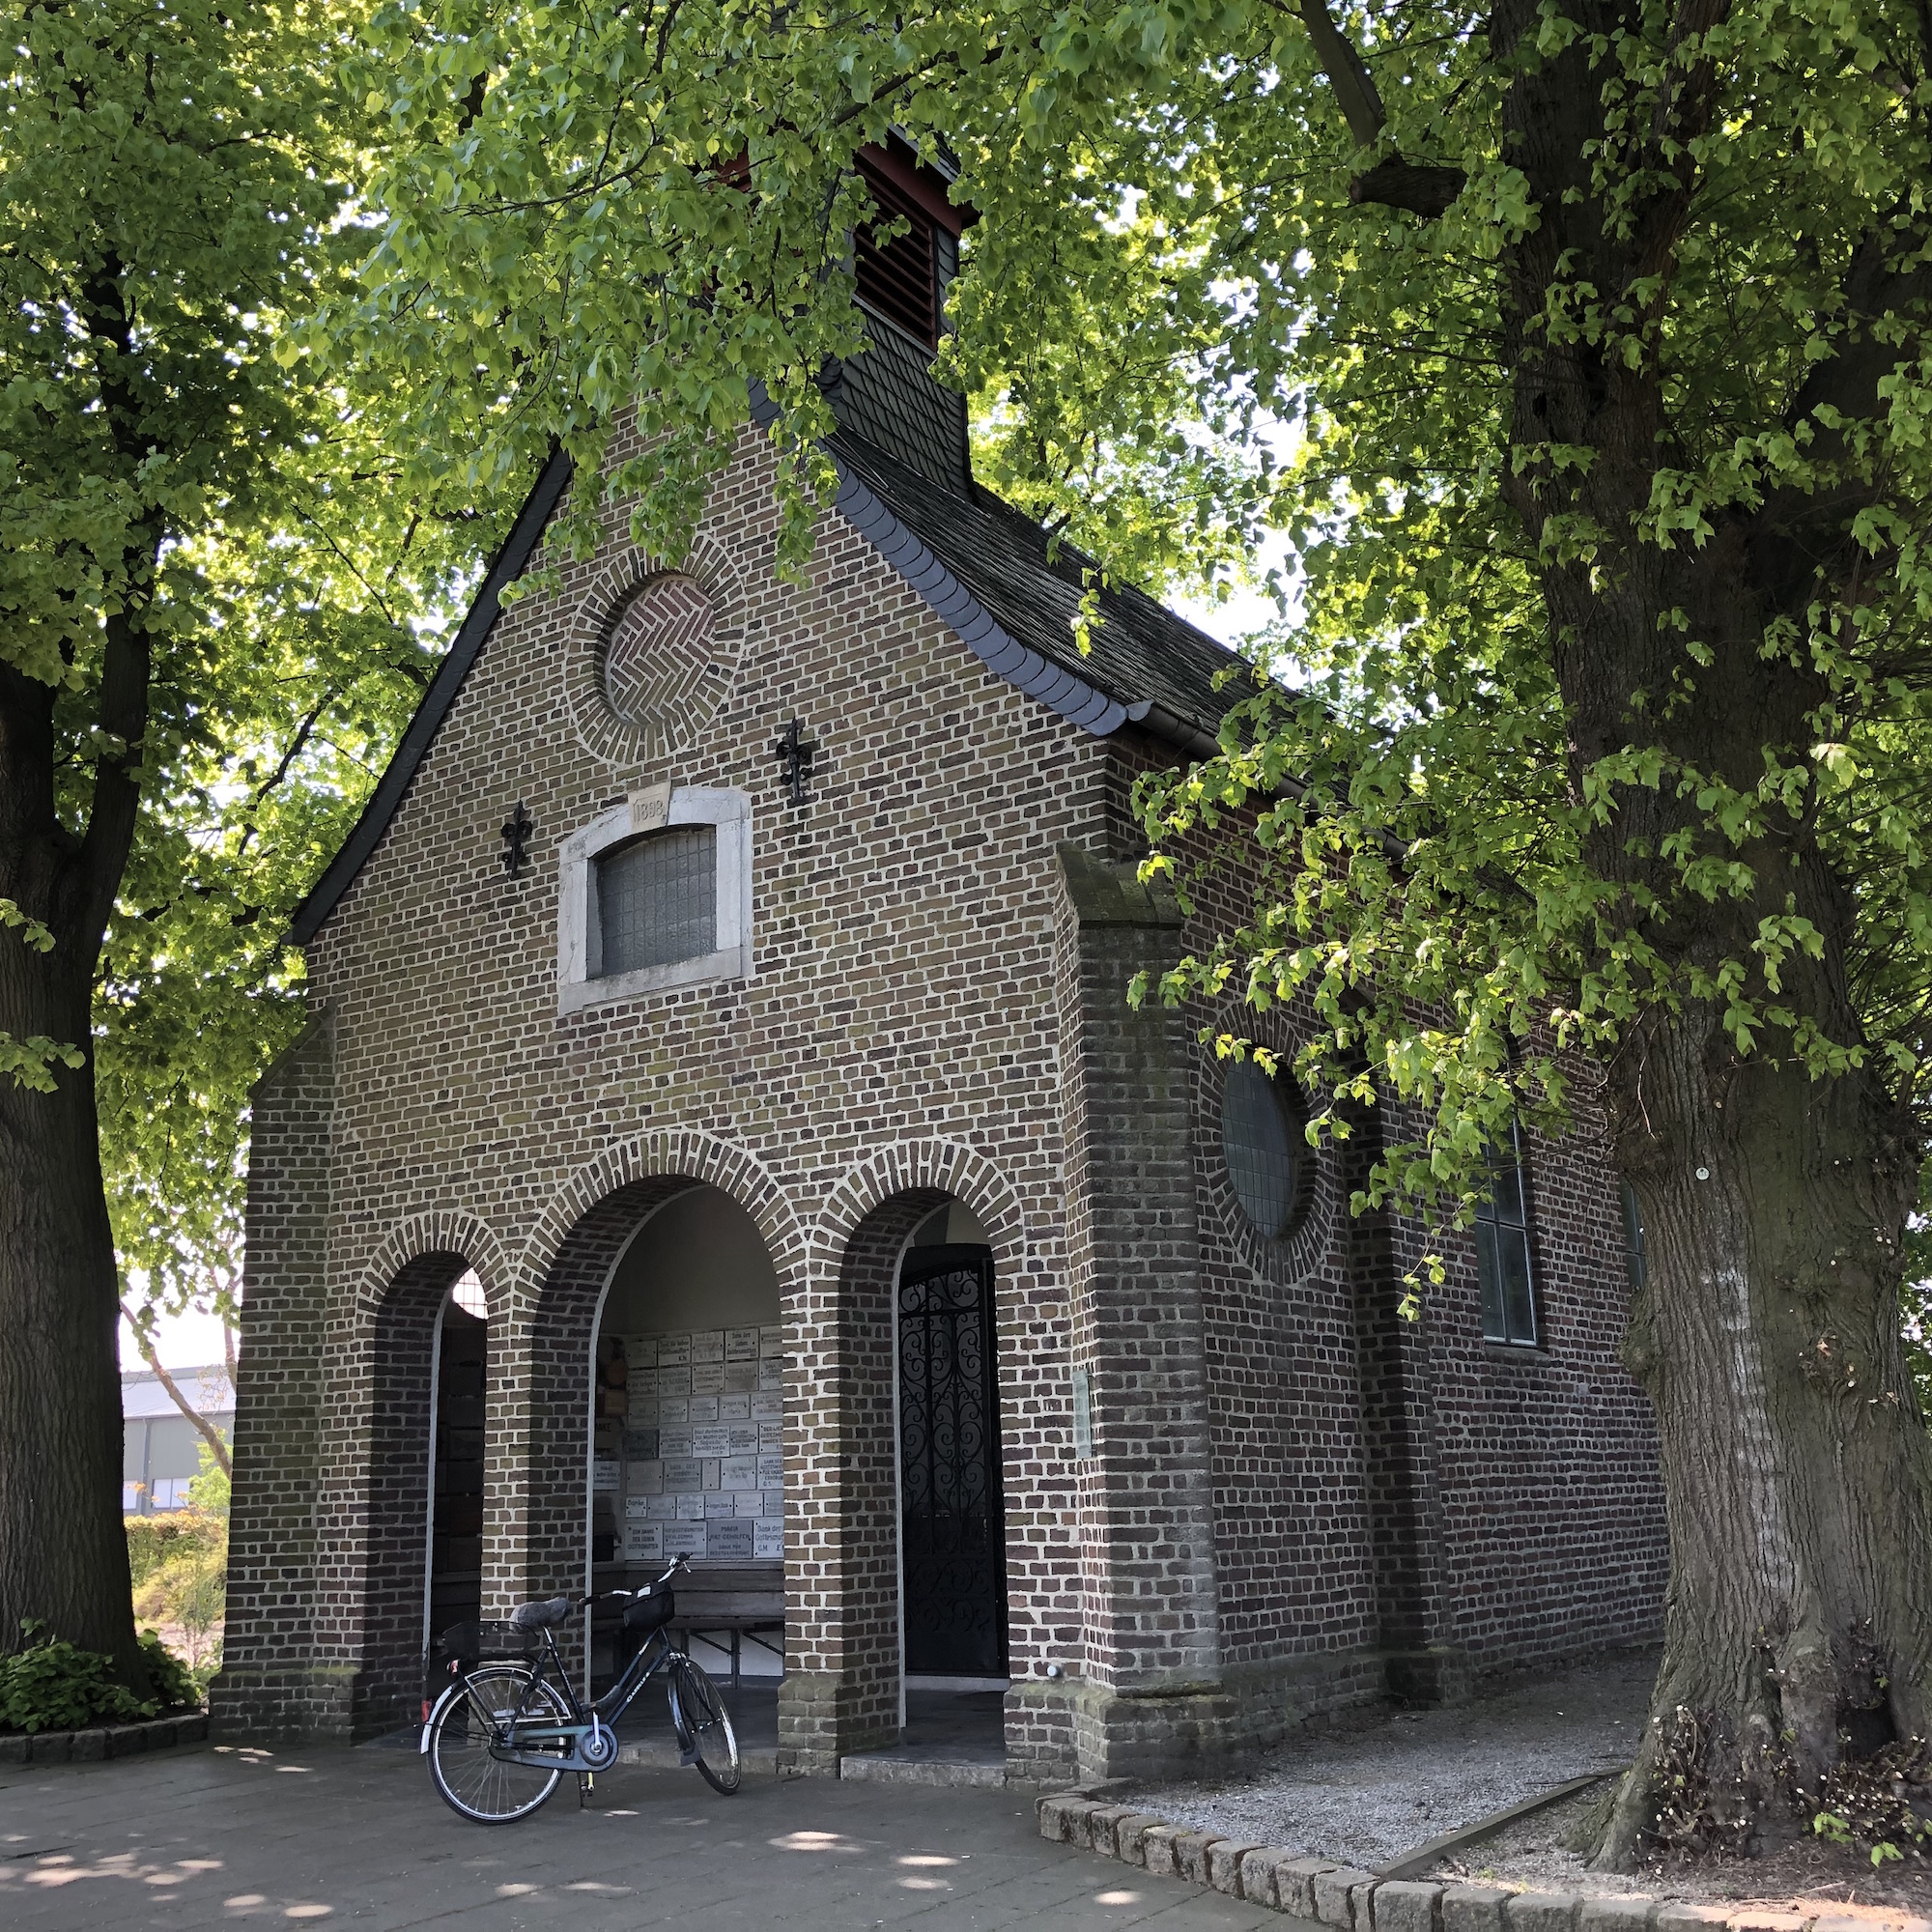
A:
1154	665
981	564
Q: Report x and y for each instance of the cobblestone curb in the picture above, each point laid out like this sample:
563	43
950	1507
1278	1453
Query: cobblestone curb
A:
103	1741
1347	1900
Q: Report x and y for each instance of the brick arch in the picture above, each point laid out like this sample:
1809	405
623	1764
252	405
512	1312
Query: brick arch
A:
638	745
931	1169
842	1669
678	1154
381	1396
566	1265
430	1236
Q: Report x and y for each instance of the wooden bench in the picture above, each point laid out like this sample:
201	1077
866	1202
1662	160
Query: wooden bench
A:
745	1601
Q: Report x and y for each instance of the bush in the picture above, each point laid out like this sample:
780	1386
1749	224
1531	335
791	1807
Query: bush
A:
189	1590
155	1540
52	1685
176	1686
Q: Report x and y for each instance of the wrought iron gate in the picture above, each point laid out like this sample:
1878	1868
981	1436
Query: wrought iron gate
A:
953	1528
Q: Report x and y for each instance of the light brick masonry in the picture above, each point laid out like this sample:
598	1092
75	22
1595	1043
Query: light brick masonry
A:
1294	1499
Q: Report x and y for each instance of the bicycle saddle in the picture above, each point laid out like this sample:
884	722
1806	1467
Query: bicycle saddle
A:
541	1616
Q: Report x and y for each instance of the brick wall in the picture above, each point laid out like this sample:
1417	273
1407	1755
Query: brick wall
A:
1290	1485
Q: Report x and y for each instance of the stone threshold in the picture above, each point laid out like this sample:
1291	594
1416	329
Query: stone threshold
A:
103	1741
1325	1893
890	1767
664	1754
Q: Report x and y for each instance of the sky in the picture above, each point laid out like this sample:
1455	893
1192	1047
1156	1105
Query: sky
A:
190	1340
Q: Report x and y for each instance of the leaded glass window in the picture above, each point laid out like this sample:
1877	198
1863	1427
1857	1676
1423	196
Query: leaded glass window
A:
656	899
1503	1252
1262	1140
1635	1262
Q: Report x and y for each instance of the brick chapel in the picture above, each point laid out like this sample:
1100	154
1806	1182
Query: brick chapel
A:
721	1126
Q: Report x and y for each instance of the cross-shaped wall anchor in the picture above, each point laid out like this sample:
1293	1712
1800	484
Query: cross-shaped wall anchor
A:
517	830
794	755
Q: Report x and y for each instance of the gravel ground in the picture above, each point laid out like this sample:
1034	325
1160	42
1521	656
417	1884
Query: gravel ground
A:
1534	1854
1370	1789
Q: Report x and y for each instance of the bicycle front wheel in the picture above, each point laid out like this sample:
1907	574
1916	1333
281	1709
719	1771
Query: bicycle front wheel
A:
704	1725
473	1727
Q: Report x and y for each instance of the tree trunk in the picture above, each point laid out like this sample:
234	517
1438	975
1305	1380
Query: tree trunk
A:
63	1549
1798	1471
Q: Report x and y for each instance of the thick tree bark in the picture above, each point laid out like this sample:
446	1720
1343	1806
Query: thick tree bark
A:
1798	1472
63	1552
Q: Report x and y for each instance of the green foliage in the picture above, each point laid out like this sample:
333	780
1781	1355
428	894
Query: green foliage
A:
182	1579
1186	314
168	1536
199	544
209	1489
50	1686
177	1687
188	1592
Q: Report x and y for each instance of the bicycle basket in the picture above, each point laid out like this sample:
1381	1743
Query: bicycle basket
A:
467	1642
649	1612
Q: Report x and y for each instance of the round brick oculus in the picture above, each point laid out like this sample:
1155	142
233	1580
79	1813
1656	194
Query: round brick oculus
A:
659	663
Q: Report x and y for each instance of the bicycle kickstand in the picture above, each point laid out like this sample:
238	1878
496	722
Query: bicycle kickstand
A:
586	1788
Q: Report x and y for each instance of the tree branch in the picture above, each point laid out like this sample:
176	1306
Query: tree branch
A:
1355	91
206	1429
1423	188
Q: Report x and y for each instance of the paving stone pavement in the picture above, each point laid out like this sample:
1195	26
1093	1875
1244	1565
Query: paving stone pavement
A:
214	1836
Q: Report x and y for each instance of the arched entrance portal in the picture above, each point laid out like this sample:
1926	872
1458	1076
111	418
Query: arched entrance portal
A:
688	1442
952	1522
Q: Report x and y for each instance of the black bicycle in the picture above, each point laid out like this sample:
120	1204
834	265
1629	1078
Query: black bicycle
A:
502	1733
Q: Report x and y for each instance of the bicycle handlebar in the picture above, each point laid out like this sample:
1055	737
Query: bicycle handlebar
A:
681	1561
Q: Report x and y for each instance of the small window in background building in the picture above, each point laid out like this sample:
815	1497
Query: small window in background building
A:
656	900
898	277
1503	1252
1634	1264
1262	1142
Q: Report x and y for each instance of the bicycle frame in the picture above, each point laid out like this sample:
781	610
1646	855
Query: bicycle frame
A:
599	1715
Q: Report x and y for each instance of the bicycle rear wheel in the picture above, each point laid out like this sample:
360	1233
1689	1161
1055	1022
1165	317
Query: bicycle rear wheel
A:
471	1729
704	1725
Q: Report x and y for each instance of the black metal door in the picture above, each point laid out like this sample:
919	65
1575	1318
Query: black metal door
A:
456	1525
953	1528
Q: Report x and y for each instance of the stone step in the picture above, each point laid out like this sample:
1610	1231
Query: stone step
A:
890	1767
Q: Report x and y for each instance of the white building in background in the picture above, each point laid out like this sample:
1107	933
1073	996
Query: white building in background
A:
160	1448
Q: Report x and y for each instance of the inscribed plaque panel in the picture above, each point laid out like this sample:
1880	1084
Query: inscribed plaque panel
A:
729	1542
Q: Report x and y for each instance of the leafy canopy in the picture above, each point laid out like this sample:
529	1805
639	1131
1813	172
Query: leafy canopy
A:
1243	265
218	599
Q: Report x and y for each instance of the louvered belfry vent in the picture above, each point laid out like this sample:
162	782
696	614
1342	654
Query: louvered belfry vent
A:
897	278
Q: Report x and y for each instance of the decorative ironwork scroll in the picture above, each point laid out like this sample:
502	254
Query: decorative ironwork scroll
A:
953	1524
